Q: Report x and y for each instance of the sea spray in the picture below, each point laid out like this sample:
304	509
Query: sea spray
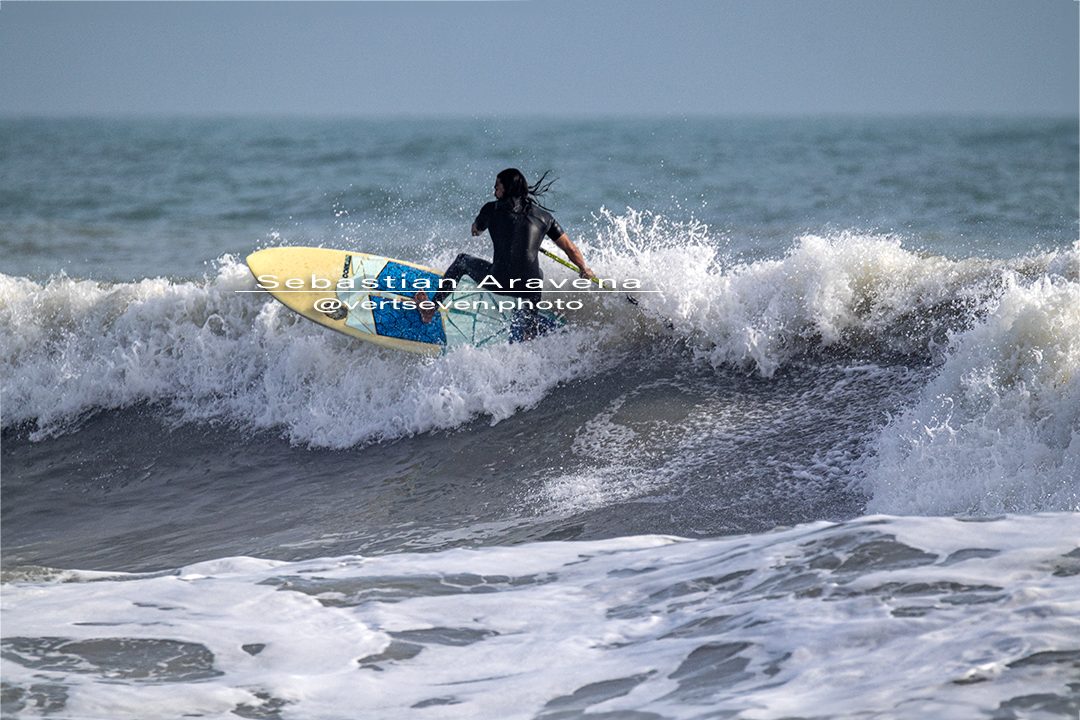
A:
849	292
998	429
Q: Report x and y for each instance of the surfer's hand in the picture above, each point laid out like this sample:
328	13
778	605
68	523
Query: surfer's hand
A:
587	273
475	232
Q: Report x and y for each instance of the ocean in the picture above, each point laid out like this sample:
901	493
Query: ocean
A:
826	466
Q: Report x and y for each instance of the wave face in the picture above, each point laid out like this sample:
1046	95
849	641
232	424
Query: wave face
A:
897	617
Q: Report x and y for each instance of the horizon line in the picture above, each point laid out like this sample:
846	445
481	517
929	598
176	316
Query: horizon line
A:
694	115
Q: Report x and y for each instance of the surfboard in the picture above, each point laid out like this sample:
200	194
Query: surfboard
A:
371	298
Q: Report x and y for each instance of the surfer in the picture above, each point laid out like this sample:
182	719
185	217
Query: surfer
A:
517	223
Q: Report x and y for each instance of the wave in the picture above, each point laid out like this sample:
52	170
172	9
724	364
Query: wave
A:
207	352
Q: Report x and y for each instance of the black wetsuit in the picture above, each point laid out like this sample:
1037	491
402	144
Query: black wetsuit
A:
517	228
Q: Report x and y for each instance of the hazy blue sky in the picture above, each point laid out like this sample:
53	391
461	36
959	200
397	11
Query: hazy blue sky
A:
561	57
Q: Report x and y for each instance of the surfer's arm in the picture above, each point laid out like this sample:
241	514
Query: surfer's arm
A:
574	255
480	224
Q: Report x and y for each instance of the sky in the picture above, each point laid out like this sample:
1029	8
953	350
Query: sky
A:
540	57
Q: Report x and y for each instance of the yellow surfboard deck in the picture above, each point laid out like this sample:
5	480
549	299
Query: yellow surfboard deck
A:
370	297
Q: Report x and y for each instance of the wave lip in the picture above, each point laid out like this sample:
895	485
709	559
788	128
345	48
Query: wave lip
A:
847	293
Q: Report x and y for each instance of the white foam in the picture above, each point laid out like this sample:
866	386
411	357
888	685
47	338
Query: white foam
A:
905	617
998	430
848	289
209	352
616	465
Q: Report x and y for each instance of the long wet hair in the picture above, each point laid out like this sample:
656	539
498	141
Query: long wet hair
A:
519	192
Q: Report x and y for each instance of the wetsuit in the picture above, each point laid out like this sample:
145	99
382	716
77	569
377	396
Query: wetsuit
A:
517	228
